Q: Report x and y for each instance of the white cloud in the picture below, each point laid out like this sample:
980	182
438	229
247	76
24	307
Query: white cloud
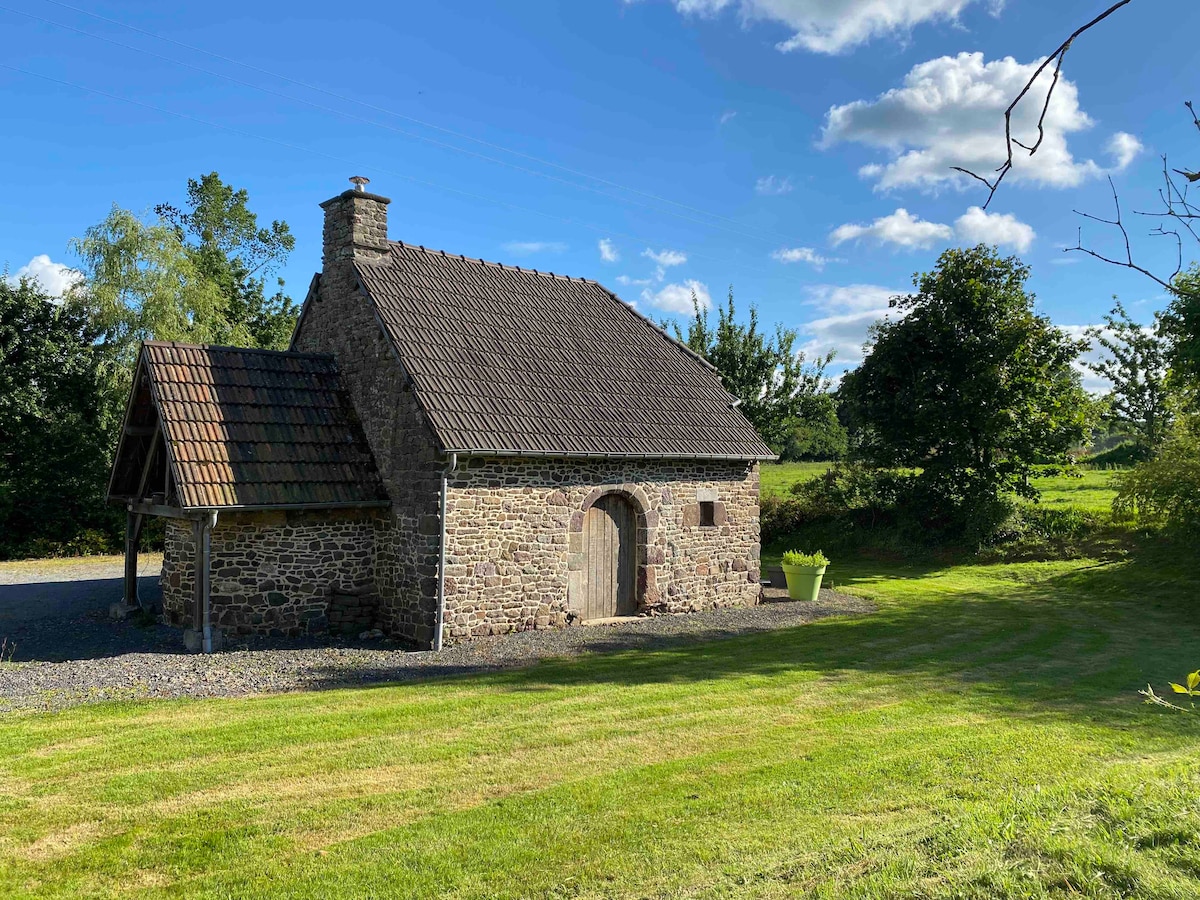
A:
525	248
54	278
1124	147
950	112
728	116
626	280
900	228
608	251
666	258
977	226
834	26
850	311
808	255
677	297
1091	381
773	185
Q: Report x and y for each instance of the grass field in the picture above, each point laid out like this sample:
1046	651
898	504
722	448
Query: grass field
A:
1092	490
979	736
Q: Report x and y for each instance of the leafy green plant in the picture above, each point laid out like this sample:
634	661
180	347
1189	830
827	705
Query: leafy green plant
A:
1191	689
1166	490
796	558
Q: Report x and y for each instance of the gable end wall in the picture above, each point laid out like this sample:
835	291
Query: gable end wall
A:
340	320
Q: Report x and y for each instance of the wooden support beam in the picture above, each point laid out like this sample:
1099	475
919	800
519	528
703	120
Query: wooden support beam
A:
133	534
147	468
140	430
147	508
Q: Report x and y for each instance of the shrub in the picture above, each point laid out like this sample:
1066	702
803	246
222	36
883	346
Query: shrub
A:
1166	490
780	516
811	560
1125	454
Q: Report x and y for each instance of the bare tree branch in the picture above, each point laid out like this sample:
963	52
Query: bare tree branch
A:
1057	58
1119	224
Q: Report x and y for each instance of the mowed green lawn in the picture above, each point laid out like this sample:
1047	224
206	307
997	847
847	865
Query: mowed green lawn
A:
979	736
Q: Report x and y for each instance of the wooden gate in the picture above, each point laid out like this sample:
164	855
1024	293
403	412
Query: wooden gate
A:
610	567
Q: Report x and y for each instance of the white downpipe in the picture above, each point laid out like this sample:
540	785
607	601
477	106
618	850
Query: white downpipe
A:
206	527
439	621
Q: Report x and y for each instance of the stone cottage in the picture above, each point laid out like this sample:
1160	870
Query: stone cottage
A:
450	448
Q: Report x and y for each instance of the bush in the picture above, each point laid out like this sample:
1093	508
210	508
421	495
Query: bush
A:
1165	490
925	508
1122	456
1056	470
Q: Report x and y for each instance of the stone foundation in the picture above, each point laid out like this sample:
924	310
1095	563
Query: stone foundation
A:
277	573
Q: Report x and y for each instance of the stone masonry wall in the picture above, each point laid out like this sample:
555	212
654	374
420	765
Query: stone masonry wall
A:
276	573
514	534
340	320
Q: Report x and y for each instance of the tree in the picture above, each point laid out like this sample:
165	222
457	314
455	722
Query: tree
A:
140	283
777	386
1136	366
819	435
56	420
221	237
970	385
1180	323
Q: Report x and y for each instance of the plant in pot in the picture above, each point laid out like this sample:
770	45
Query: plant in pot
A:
804	572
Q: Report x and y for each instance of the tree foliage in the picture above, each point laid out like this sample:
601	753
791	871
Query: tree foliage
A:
777	386
56	421
1166	490
1180	323
969	385
1136	365
228	249
196	274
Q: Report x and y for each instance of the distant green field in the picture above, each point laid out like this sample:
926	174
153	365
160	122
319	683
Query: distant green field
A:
778	477
1092	491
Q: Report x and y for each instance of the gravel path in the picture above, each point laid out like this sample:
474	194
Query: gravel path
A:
62	662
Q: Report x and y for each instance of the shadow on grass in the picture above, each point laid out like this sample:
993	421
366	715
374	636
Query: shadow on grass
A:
1079	643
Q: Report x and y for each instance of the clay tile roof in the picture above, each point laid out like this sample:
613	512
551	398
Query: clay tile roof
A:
506	360
258	428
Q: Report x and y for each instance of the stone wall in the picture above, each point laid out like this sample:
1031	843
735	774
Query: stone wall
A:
276	573
514	538
340	319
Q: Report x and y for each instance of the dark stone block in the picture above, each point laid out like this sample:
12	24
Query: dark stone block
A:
274	598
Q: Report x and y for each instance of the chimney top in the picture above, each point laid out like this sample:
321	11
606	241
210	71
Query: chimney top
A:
360	182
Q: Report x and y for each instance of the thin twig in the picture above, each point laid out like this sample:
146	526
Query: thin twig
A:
1057	57
1117	223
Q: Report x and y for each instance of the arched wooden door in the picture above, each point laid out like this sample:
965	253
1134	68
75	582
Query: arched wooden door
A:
610	565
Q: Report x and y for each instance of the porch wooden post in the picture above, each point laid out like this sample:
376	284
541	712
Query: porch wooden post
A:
133	533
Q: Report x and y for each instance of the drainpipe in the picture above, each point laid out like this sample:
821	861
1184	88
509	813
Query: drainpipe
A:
207	524
451	466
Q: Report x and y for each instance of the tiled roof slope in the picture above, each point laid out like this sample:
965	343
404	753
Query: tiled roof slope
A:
257	428
507	360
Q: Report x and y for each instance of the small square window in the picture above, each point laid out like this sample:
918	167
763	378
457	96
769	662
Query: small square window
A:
708	513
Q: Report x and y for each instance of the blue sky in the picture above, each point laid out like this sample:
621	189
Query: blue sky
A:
798	149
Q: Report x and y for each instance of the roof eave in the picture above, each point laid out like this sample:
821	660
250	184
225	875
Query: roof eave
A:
276	507
560	454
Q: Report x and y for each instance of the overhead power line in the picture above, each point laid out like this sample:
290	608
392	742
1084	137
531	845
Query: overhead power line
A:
355	164
765	236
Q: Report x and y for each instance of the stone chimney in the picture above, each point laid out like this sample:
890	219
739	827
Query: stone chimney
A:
355	226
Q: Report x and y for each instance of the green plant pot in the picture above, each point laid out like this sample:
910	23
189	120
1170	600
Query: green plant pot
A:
804	582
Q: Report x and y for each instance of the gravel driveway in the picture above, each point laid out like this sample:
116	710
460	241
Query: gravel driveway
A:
60	661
